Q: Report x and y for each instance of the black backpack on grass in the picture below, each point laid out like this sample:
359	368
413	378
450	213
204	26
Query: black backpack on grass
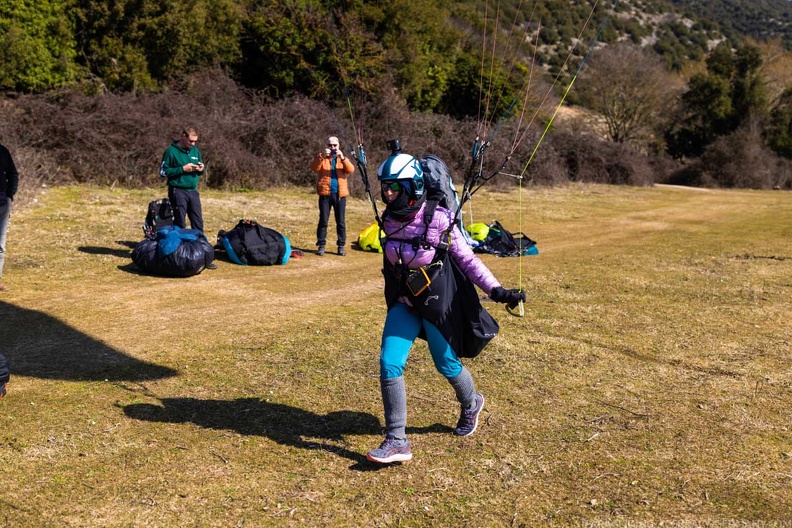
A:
159	214
502	243
251	244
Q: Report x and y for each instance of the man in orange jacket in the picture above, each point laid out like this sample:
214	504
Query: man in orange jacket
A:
332	169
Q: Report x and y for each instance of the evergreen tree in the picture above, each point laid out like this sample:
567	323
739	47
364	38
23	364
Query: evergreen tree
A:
37	46
717	102
779	131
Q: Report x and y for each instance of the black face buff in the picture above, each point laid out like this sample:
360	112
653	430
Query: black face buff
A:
403	207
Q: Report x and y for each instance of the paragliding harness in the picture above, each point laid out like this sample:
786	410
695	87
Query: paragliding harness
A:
441	293
158	215
250	243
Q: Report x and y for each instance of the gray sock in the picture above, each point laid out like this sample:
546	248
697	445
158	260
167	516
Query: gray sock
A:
465	388
394	399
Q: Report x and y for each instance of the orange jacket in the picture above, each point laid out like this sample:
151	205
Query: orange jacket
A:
322	166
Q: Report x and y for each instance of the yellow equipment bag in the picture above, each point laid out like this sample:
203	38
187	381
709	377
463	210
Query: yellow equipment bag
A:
478	231
368	239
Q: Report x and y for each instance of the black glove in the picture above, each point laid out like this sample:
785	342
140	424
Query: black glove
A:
510	298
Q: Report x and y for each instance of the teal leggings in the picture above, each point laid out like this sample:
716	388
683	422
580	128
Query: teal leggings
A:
402	327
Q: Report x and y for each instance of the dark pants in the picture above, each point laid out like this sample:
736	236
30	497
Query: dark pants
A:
187	203
4	374
339	208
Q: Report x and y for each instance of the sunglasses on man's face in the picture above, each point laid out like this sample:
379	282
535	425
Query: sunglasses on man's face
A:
393	187
332	145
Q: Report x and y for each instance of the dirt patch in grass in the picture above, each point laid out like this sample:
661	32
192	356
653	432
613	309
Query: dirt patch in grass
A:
650	379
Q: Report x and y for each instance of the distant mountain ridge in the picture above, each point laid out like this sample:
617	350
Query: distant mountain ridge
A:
760	19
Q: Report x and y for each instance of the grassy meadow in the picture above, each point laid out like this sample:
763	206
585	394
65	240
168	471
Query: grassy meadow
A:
650	380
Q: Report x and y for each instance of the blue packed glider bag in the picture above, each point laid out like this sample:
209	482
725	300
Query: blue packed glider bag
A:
175	252
251	244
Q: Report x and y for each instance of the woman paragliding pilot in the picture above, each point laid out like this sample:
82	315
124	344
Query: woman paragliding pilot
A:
429	275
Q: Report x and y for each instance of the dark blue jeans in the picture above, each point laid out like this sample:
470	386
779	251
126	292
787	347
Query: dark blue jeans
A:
187	203
4	374
339	208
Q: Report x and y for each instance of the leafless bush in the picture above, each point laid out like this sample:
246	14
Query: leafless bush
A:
783	175
250	142
36	171
739	160
593	160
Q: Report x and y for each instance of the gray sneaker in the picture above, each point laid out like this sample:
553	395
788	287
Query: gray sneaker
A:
320	251
391	450
468	420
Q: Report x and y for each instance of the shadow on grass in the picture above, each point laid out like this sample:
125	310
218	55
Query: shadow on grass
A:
120	253
41	346
283	424
222	256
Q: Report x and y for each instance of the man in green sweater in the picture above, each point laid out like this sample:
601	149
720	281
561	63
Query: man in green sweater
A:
182	166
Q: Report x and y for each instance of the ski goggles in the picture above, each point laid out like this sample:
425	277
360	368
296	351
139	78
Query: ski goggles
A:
392	186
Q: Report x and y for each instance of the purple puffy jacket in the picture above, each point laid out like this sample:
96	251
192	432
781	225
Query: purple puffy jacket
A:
399	244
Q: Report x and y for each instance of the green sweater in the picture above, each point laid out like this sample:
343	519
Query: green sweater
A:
174	159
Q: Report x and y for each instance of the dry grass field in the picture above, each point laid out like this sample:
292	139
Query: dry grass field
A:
649	383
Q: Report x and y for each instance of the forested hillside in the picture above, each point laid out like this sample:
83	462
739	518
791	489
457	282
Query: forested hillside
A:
661	80
761	19
425	47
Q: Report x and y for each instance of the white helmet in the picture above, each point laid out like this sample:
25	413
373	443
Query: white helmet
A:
404	169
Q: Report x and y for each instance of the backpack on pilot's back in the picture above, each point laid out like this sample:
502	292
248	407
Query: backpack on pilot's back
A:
440	188
158	215
437	179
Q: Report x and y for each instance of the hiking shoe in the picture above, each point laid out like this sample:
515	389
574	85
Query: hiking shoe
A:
391	450
468	420
211	265
2	390
320	251
341	251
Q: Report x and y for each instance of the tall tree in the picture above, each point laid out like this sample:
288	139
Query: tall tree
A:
306	47
779	130
36	45
717	102
631	89
131	44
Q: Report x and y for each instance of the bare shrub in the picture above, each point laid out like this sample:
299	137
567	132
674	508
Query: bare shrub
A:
36	171
664	167
739	160
593	160
783	175
251	142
